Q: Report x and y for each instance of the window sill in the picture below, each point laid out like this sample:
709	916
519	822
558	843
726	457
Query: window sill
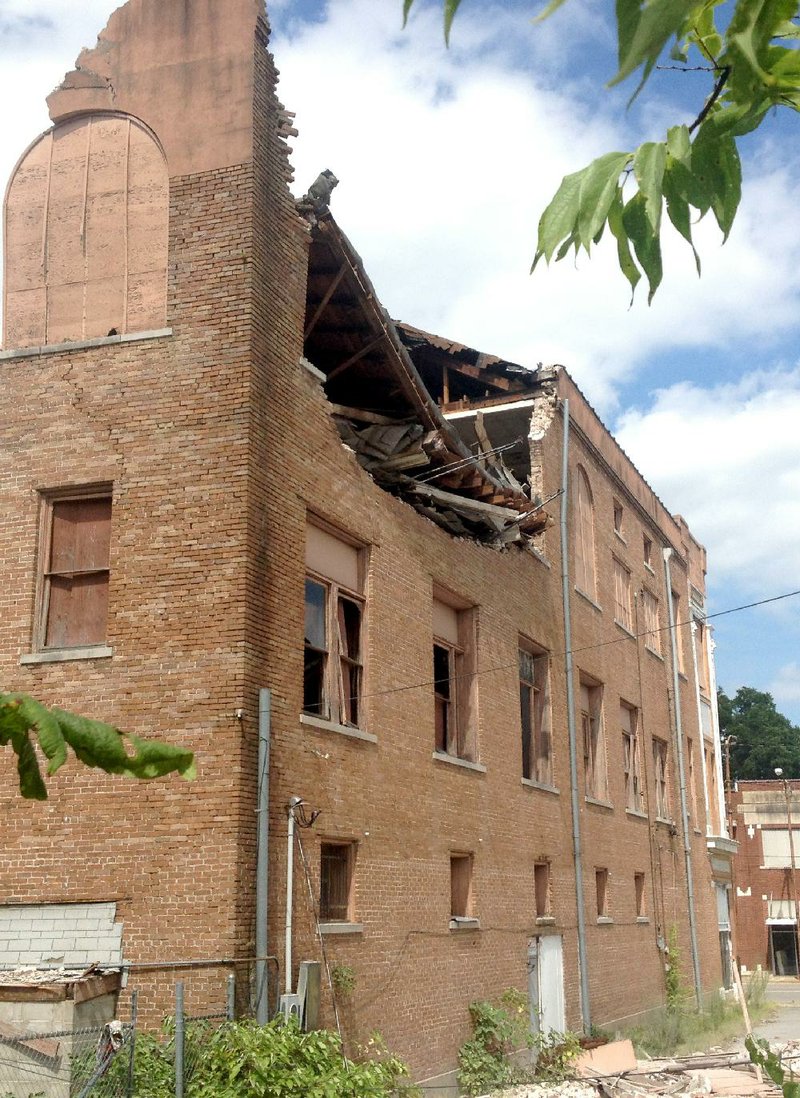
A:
531	783
598	803
652	651
61	655
621	538
340	729
464	922
83	344
624	629
589	599
539	556
605	920
341	928
642	920
666	822
650	568
454	760
636	813
545	920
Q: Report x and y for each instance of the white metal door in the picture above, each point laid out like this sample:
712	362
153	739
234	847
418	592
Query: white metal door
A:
546	984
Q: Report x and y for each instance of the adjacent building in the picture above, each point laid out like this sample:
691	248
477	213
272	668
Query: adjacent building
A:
226	471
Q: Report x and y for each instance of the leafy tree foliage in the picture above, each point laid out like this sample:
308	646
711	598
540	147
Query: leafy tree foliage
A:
749	50
764	737
25	722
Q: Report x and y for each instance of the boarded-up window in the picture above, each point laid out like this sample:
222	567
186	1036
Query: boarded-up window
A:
86	216
776	849
594	755
454	681
75	573
702	656
692	780
679	629
584	535
628	717
334	612
652	627
460	886
534	703
638	887
661	777
601	892
337	861
622	595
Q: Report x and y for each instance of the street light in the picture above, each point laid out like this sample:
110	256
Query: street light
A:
787	794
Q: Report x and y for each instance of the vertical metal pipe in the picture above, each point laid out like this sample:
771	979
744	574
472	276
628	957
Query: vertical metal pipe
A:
583	964
678	730
180	1037
230	996
287	948
262	857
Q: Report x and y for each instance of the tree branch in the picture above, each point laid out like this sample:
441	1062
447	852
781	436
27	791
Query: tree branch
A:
722	80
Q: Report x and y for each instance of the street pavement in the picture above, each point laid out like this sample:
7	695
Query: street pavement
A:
784	991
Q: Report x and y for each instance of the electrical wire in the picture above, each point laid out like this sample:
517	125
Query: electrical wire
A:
427	683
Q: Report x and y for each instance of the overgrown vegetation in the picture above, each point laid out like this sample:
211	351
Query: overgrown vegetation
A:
278	1060
770	1062
499	1029
680	1029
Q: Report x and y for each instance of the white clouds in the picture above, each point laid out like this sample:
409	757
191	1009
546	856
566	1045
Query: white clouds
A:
785	687
729	457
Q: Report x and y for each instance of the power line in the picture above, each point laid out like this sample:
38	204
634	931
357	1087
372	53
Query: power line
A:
584	648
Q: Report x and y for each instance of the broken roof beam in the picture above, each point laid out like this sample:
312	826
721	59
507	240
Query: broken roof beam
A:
320	309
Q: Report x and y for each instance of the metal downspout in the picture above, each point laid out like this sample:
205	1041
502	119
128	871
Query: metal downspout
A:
678	729
583	967
262	857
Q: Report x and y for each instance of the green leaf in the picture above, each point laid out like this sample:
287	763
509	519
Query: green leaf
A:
407	4
47	730
646	242
626	261
628	13
553	5
598	185
560	216
678	212
679	144
31	785
716	164
648	167
659	20
450	9
154	759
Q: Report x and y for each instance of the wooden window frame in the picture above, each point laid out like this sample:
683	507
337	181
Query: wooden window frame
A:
601	892
345	860
594	754
619	515
631	760
534	701
339	704
456	736
542	881
640	897
623	613
461	886
647	551
652	623
585	565
49	499
661	778
676	618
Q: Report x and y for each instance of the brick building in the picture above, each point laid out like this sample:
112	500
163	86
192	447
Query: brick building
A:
229	472
765	897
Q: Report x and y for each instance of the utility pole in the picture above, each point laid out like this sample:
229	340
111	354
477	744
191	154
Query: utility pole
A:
787	794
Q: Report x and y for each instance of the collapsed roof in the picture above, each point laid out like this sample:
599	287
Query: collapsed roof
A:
384	386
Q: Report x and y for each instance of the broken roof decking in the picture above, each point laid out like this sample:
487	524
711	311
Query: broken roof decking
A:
385	411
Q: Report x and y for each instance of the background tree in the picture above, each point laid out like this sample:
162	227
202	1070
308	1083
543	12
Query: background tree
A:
765	738
25	722
748	49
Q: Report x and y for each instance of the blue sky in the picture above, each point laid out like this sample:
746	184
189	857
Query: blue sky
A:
446	159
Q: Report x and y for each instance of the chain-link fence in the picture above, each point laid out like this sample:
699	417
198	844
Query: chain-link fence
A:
96	1060
117	1059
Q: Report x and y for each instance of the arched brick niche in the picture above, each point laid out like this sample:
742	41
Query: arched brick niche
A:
86	222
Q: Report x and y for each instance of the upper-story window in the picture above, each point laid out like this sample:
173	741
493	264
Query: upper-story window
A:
86	223
74	569
631	763
334	621
618	517
647	551
584	540
454	684
594	748
622	596
652	624
534	703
